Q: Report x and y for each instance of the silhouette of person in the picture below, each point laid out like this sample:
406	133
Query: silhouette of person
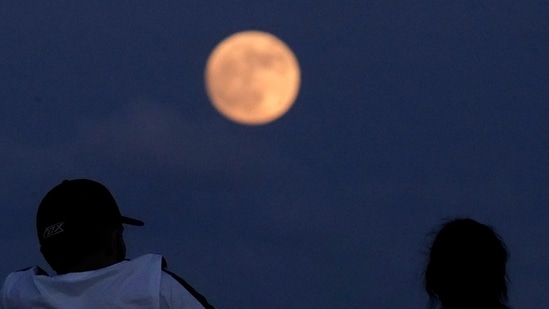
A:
80	230
467	267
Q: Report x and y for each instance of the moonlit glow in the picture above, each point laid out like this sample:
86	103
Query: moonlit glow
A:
252	77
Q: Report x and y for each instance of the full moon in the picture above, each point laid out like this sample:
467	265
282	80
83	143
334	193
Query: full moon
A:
252	77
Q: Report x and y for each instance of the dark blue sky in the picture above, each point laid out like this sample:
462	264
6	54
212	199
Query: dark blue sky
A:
410	112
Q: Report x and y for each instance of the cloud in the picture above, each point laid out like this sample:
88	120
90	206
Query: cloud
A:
153	136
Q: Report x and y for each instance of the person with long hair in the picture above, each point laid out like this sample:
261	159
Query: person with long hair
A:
467	267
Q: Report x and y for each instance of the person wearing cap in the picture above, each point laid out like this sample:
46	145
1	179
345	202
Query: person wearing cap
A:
80	230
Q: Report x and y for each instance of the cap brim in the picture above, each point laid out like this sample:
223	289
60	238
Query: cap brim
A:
132	221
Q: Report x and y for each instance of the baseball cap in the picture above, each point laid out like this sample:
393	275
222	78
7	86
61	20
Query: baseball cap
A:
76	207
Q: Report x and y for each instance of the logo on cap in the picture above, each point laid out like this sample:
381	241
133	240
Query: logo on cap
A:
53	230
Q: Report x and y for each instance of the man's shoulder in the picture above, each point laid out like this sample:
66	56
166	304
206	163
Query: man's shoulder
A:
32	269
149	258
147	262
172	281
26	272
21	279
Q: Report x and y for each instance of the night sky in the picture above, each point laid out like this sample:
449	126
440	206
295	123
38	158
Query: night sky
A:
409	113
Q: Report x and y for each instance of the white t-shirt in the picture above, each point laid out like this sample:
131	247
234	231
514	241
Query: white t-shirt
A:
137	283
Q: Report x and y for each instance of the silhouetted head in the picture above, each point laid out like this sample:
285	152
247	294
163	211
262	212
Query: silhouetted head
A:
79	227
467	267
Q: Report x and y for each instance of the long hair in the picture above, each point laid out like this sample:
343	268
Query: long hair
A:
467	266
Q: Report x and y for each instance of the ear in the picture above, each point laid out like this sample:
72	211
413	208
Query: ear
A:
113	239
117	245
